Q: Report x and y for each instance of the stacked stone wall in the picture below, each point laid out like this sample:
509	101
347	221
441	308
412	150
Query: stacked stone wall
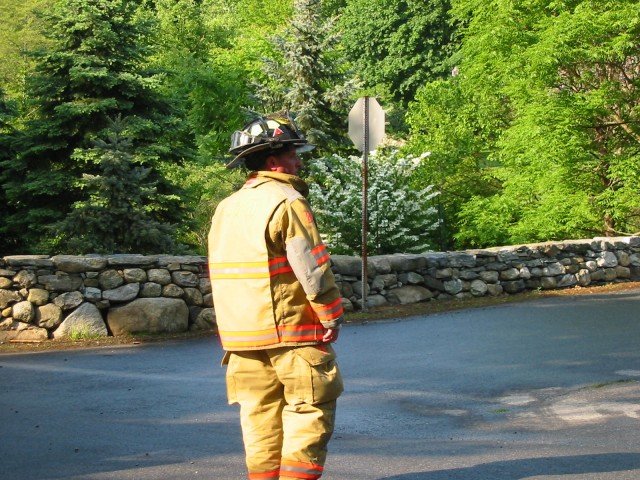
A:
410	278
45	297
90	296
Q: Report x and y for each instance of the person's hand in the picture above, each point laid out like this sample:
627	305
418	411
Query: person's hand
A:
331	335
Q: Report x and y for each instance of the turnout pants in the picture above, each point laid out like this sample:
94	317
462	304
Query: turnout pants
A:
287	400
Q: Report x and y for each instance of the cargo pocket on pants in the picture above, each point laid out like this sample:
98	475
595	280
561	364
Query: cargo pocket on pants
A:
318	378
228	360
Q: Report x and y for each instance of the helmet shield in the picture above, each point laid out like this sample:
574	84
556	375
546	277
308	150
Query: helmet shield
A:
270	132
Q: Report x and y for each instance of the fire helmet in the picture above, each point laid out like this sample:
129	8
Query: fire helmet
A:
269	132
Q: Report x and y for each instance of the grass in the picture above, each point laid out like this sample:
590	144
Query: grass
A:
82	334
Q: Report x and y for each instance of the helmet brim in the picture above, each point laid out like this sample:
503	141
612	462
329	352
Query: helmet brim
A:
301	147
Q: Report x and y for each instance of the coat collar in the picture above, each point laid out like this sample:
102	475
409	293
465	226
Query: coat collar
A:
261	176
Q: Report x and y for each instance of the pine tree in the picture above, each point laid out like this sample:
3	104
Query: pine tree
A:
94	69
115	218
8	136
310	78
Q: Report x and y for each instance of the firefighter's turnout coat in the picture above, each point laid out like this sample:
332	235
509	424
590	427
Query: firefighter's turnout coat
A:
275	296
271	280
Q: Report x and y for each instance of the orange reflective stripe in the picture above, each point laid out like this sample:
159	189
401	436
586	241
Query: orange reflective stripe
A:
285	333
258	476
306	470
301	333
329	312
321	255
279	265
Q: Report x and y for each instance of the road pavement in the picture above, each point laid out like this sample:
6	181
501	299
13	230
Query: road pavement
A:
544	389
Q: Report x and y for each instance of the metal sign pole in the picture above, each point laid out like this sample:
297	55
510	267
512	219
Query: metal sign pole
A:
366	129
365	182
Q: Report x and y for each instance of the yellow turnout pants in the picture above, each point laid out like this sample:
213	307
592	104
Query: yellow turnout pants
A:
287	400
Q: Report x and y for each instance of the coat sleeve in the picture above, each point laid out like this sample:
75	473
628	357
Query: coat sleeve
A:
309	260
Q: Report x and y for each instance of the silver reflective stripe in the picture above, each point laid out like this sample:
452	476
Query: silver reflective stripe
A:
239	270
305	266
248	338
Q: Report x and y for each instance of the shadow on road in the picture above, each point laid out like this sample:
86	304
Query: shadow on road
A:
526	468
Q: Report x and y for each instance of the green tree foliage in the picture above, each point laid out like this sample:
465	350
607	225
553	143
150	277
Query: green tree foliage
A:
20	33
9	242
548	106
202	74
458	123
207	75
118	216
534	137
398	45
94	69
307	76
400	217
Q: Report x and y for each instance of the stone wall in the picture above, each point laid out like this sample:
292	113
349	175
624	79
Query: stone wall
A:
74	296
403	278
90	296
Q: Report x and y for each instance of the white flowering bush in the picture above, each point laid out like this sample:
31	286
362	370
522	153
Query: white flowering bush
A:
400	216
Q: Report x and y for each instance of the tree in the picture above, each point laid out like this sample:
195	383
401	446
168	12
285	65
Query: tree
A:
117	217
555	91
20	33
95	69
307	76
207	75
398	45
8	135
400	216
203	77
459	123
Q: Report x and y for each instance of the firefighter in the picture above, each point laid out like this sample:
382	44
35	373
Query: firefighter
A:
277	305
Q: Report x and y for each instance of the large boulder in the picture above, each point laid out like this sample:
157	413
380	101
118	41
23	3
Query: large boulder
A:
86	321
185	279
38	296
8	297
159	275
23	332
60	282
478	288
346	265
205	320
149	315
409	294
124	293
69	300
24	312
49	316
110	279
26	279
78	264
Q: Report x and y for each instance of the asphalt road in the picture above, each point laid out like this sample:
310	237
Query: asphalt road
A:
547	389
